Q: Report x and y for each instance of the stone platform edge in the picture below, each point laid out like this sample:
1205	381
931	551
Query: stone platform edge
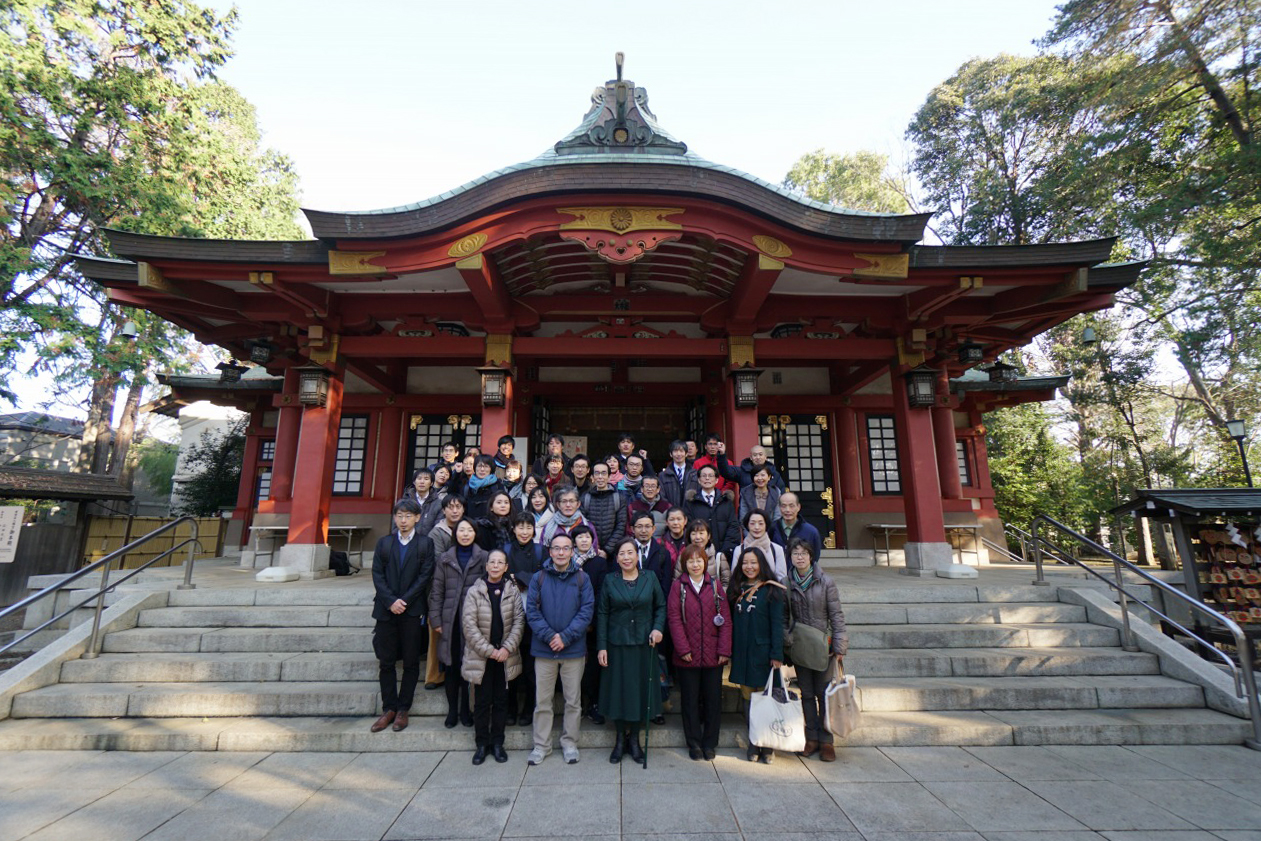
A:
43	668
1176	661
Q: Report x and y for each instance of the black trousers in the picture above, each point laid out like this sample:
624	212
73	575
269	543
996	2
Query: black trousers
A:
403	638
521	690
700	695
490	707
591	674
454	683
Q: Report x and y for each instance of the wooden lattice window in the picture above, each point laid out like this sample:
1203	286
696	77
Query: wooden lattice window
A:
882	455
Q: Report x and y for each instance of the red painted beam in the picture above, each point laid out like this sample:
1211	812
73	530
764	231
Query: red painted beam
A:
768	350
433	347
374	376
599	351
489	292
754	284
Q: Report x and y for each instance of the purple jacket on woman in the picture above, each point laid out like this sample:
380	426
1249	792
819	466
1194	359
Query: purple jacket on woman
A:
690	617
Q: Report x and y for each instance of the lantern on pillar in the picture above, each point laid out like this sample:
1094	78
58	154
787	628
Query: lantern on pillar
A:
970	353
313	385
230	372
744	386
921	387
1001	372
494	385
260	352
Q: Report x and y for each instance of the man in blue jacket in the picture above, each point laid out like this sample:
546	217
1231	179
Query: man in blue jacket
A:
559	606
791	525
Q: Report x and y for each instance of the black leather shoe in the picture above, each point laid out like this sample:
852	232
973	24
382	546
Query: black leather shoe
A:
619	747
752	753
708	754
767	757
479	755
633	748
694	753
510	720
432	686
451	720
659	721
594	716
499	753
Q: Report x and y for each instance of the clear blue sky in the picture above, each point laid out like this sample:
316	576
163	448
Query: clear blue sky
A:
386	103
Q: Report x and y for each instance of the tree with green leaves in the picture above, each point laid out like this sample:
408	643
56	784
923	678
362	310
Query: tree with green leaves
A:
213	470
110	116
859	181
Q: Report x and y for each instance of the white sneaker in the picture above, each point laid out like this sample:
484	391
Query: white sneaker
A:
537	756
570	754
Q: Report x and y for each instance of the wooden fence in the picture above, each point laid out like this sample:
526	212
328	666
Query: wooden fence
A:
107	534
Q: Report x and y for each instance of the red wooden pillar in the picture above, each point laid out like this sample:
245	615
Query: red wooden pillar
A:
947	460
742	424
926	546
497	421
850	460
313	476
387	484
287	428
249	476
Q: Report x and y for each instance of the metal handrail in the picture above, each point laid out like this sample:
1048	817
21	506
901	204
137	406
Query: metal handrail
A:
1003	551
1247	688
104	564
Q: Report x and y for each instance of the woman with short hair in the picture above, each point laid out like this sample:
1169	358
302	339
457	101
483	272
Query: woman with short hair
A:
699	619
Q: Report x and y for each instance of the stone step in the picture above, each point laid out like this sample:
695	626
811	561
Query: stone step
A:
256	617
903	729
983	636
310	640
1027	693
987	613
997	662
211	699
327	593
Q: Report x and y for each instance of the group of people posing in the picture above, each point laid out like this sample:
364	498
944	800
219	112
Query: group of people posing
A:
615	580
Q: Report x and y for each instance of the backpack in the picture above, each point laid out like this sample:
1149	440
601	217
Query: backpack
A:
339	562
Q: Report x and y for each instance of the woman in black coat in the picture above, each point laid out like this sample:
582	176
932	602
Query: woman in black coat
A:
455	572
481	487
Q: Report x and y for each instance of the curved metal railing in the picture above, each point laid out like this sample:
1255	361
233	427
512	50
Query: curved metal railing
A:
104	564
1245	679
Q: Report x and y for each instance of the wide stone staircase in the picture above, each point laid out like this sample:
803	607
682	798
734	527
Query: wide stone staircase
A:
290	668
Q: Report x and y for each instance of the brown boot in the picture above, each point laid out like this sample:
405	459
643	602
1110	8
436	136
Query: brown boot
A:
383	722
811	748
400	721
827	753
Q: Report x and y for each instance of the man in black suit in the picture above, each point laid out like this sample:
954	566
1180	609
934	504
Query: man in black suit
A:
402	568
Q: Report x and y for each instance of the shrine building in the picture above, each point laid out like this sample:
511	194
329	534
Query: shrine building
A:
617	282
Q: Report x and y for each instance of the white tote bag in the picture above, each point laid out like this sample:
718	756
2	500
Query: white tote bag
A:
776	724
841	713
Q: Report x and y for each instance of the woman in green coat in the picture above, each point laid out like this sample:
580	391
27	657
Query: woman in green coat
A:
630	621
757	629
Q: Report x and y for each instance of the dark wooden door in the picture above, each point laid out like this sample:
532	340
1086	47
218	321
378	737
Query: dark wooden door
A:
801	447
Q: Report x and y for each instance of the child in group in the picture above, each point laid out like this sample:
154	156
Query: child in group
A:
493	620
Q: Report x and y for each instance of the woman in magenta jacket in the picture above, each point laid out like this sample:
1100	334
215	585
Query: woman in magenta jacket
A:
699	619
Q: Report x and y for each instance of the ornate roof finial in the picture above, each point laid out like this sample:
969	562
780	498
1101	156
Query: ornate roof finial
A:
619	121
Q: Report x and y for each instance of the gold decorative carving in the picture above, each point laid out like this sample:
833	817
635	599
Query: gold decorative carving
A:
327	354
771	246
262	278
906	356
473	262
499	349
829	511
829	542
416	420
150	276
821	421
621	220
459	421
778	422
471	244
354	263
884	266
769	264
740	351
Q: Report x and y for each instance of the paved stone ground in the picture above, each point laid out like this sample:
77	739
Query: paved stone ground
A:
1142	793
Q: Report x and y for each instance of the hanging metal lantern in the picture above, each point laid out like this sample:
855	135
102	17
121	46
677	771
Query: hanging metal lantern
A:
1001	372
744	385
921	387
313	384
230	372
970	353
494	385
